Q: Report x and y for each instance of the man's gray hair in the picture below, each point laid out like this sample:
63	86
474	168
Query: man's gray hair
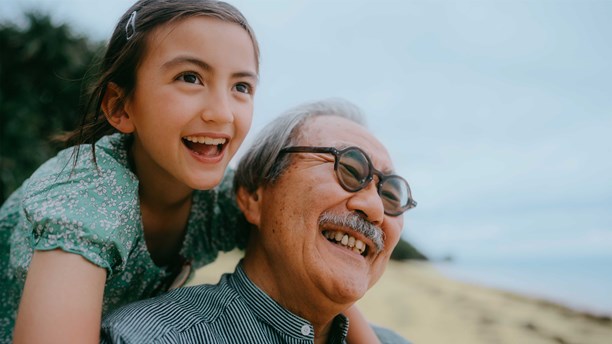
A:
262	165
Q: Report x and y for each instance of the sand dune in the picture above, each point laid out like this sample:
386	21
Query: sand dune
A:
425	307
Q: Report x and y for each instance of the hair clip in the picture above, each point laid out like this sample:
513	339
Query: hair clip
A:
130	27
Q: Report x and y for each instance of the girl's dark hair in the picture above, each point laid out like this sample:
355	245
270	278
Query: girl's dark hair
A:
125	51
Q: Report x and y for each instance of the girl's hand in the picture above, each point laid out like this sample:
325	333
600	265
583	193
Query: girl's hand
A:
62	300
360	331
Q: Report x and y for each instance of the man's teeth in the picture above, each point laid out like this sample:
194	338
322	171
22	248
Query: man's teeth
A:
205	140
344	239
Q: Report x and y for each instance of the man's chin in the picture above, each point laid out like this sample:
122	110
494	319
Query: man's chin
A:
347	289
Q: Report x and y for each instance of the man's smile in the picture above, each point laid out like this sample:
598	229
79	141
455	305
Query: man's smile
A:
346	240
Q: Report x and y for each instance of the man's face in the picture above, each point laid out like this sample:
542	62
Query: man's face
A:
303	261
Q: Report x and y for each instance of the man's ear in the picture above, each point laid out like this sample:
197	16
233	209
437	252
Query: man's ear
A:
114	108
250	204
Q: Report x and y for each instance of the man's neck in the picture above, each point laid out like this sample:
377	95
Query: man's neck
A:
322	333
317	309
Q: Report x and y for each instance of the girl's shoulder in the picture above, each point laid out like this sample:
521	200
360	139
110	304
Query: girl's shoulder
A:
86	208
74	168
70	187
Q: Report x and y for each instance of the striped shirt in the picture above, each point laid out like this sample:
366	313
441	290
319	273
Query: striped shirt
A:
233	311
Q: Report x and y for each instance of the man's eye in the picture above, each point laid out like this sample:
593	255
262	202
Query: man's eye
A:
190	78
353	171
243	88
390	195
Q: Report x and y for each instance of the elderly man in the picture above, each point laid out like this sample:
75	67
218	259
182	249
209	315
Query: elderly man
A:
326	212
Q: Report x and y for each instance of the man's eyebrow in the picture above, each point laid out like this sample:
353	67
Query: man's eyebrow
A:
386	171
205	66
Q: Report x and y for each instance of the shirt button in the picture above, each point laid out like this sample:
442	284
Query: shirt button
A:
305	330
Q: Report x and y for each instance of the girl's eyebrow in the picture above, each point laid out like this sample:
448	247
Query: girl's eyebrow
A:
205	66
187	59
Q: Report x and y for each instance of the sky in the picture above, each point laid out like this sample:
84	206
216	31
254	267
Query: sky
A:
498	113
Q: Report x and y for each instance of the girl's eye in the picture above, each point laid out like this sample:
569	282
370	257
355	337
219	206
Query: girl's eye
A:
243	88
190	78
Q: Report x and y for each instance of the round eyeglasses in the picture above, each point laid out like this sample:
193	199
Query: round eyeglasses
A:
355	171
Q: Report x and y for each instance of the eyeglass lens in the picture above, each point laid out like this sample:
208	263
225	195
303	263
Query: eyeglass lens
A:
354	171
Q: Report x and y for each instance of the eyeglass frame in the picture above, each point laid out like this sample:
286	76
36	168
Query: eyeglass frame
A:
369	178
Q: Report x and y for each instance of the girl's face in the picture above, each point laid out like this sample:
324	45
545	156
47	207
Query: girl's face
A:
193	101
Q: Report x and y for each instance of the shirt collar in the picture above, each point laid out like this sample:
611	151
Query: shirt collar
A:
269	311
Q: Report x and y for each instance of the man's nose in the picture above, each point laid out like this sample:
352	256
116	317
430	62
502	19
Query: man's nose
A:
368	202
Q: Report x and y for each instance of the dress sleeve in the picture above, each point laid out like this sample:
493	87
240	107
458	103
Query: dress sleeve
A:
89	212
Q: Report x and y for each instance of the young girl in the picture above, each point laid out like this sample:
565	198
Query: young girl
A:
173	103
130	209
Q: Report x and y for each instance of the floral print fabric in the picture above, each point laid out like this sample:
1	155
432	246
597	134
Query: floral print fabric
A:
94	212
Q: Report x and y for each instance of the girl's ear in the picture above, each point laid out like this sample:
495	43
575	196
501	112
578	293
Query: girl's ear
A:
114	108
250	204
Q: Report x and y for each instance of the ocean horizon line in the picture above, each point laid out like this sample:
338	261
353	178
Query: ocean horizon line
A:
579	286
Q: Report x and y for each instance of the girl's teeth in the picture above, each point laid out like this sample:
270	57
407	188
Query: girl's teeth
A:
205	140
344	239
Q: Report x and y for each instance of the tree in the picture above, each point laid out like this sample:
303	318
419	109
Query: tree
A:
42	68
405	251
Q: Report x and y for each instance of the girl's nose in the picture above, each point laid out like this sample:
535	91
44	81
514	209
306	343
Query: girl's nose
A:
217	107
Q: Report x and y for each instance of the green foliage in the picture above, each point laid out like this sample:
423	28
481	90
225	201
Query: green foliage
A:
42	67
405	251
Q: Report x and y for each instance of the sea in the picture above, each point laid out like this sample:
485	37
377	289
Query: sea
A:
582	284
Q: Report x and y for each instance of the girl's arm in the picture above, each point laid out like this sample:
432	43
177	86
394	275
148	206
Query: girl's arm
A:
360	331
62	300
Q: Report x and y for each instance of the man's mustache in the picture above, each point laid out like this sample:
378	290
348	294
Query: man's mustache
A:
358	224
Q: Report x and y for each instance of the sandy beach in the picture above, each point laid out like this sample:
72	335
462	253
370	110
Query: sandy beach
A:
424	306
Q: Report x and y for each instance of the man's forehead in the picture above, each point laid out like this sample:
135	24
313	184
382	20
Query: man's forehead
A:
340	132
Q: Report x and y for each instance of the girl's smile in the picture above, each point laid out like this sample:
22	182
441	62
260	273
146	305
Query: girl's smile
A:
206	148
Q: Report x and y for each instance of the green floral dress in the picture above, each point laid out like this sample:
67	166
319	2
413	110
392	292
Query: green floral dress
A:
95	213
